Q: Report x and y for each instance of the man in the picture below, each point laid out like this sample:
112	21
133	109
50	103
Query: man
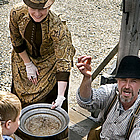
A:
128	98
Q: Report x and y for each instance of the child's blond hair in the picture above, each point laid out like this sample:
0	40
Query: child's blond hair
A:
10	106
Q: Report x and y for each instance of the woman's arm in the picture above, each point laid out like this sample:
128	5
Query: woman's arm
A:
31	69
64	52
19	46
62	85
25	57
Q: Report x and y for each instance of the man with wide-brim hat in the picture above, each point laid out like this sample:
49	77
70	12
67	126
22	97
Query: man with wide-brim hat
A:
124	106
42	54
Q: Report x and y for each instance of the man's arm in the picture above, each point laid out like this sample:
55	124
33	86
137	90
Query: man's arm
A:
84	66
135	134
85	88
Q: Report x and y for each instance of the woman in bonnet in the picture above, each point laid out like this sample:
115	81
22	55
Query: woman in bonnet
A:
42	54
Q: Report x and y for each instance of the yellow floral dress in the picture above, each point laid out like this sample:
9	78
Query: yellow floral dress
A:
49	46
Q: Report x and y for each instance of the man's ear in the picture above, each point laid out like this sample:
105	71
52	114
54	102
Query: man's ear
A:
8	124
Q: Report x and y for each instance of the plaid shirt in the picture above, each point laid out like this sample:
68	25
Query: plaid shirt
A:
114	127
7	138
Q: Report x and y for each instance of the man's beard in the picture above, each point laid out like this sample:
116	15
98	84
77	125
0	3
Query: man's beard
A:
125	100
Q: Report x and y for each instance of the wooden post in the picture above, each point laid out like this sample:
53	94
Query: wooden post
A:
105	62
130	29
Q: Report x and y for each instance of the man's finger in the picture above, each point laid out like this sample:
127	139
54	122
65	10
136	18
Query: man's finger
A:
86	58
80	65
89	61
80	58
82	68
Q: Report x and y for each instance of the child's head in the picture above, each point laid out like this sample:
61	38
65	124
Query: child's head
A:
10	109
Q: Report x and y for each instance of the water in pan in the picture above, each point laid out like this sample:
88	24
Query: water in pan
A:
42	125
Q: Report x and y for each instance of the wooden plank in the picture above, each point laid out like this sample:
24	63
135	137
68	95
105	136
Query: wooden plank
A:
105	62
75	117
127	6
82	111
79	125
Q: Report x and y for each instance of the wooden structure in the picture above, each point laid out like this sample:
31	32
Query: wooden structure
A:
129	43
80	123
130	29
105	62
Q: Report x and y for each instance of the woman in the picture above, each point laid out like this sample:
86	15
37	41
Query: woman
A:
42	54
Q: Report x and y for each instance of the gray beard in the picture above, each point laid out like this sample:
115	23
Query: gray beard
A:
126	100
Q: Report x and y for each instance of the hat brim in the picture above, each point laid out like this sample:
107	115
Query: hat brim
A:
48	3
38	5
127	76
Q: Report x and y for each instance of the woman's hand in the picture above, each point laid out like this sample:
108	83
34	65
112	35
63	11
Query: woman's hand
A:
32	72
58	102
84	65
31	69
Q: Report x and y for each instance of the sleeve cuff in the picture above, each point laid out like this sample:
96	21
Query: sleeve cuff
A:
20	48
62	76
87	100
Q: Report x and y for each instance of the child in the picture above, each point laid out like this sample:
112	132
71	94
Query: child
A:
10	109
1	138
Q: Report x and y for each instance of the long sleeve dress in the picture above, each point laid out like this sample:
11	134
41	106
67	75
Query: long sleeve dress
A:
48	45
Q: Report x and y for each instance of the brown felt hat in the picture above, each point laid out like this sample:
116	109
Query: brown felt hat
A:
38	4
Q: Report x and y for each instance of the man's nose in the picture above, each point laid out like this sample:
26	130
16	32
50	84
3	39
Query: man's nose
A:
127	84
